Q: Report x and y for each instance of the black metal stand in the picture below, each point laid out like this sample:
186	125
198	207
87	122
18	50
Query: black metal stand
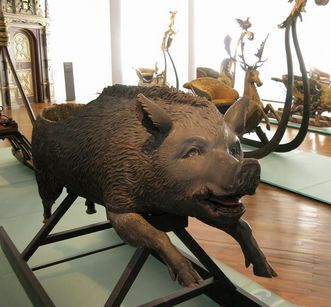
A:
266	146
216	285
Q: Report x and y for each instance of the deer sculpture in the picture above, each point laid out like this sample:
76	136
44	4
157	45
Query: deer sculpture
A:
256	110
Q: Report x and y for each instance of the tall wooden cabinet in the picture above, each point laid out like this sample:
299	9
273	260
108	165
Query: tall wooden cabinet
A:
28	30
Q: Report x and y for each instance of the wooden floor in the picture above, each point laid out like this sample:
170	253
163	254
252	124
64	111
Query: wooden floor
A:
293	232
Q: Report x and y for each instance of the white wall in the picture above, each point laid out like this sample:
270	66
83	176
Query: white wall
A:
80	33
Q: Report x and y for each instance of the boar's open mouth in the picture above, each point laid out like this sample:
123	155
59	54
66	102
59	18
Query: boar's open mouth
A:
229	205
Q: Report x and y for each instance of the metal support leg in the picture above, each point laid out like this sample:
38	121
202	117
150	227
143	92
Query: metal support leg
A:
48	227
128	277
28	280
216	285
182	295
224	291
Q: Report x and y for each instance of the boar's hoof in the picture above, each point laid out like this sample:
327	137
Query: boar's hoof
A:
187	276
90	207
263	269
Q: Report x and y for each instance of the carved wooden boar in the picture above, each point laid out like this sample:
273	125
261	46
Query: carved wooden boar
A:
151	150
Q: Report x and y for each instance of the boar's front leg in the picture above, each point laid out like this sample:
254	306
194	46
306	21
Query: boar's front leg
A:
242	233
136	231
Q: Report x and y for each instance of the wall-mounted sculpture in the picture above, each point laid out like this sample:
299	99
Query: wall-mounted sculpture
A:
152	150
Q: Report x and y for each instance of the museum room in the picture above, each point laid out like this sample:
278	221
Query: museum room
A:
164	153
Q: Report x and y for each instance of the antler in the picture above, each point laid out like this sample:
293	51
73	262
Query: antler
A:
259	53
245	66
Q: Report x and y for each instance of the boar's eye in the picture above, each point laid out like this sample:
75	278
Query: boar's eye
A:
194	151
235	150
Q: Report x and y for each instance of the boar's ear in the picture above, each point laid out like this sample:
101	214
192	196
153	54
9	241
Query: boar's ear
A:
152	117
235	116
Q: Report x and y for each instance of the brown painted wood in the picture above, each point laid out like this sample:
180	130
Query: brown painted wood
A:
293	231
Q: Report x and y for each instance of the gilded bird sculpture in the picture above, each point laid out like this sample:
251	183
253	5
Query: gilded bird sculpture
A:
244	24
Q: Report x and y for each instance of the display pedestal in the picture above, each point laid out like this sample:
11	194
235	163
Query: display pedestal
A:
215	285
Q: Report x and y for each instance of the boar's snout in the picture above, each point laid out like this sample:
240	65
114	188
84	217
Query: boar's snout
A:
247	176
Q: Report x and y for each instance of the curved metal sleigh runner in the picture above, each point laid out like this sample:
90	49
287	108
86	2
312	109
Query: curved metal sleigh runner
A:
266	146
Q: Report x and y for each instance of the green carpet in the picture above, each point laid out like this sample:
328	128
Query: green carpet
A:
322	130
301	172
86	281
304	173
